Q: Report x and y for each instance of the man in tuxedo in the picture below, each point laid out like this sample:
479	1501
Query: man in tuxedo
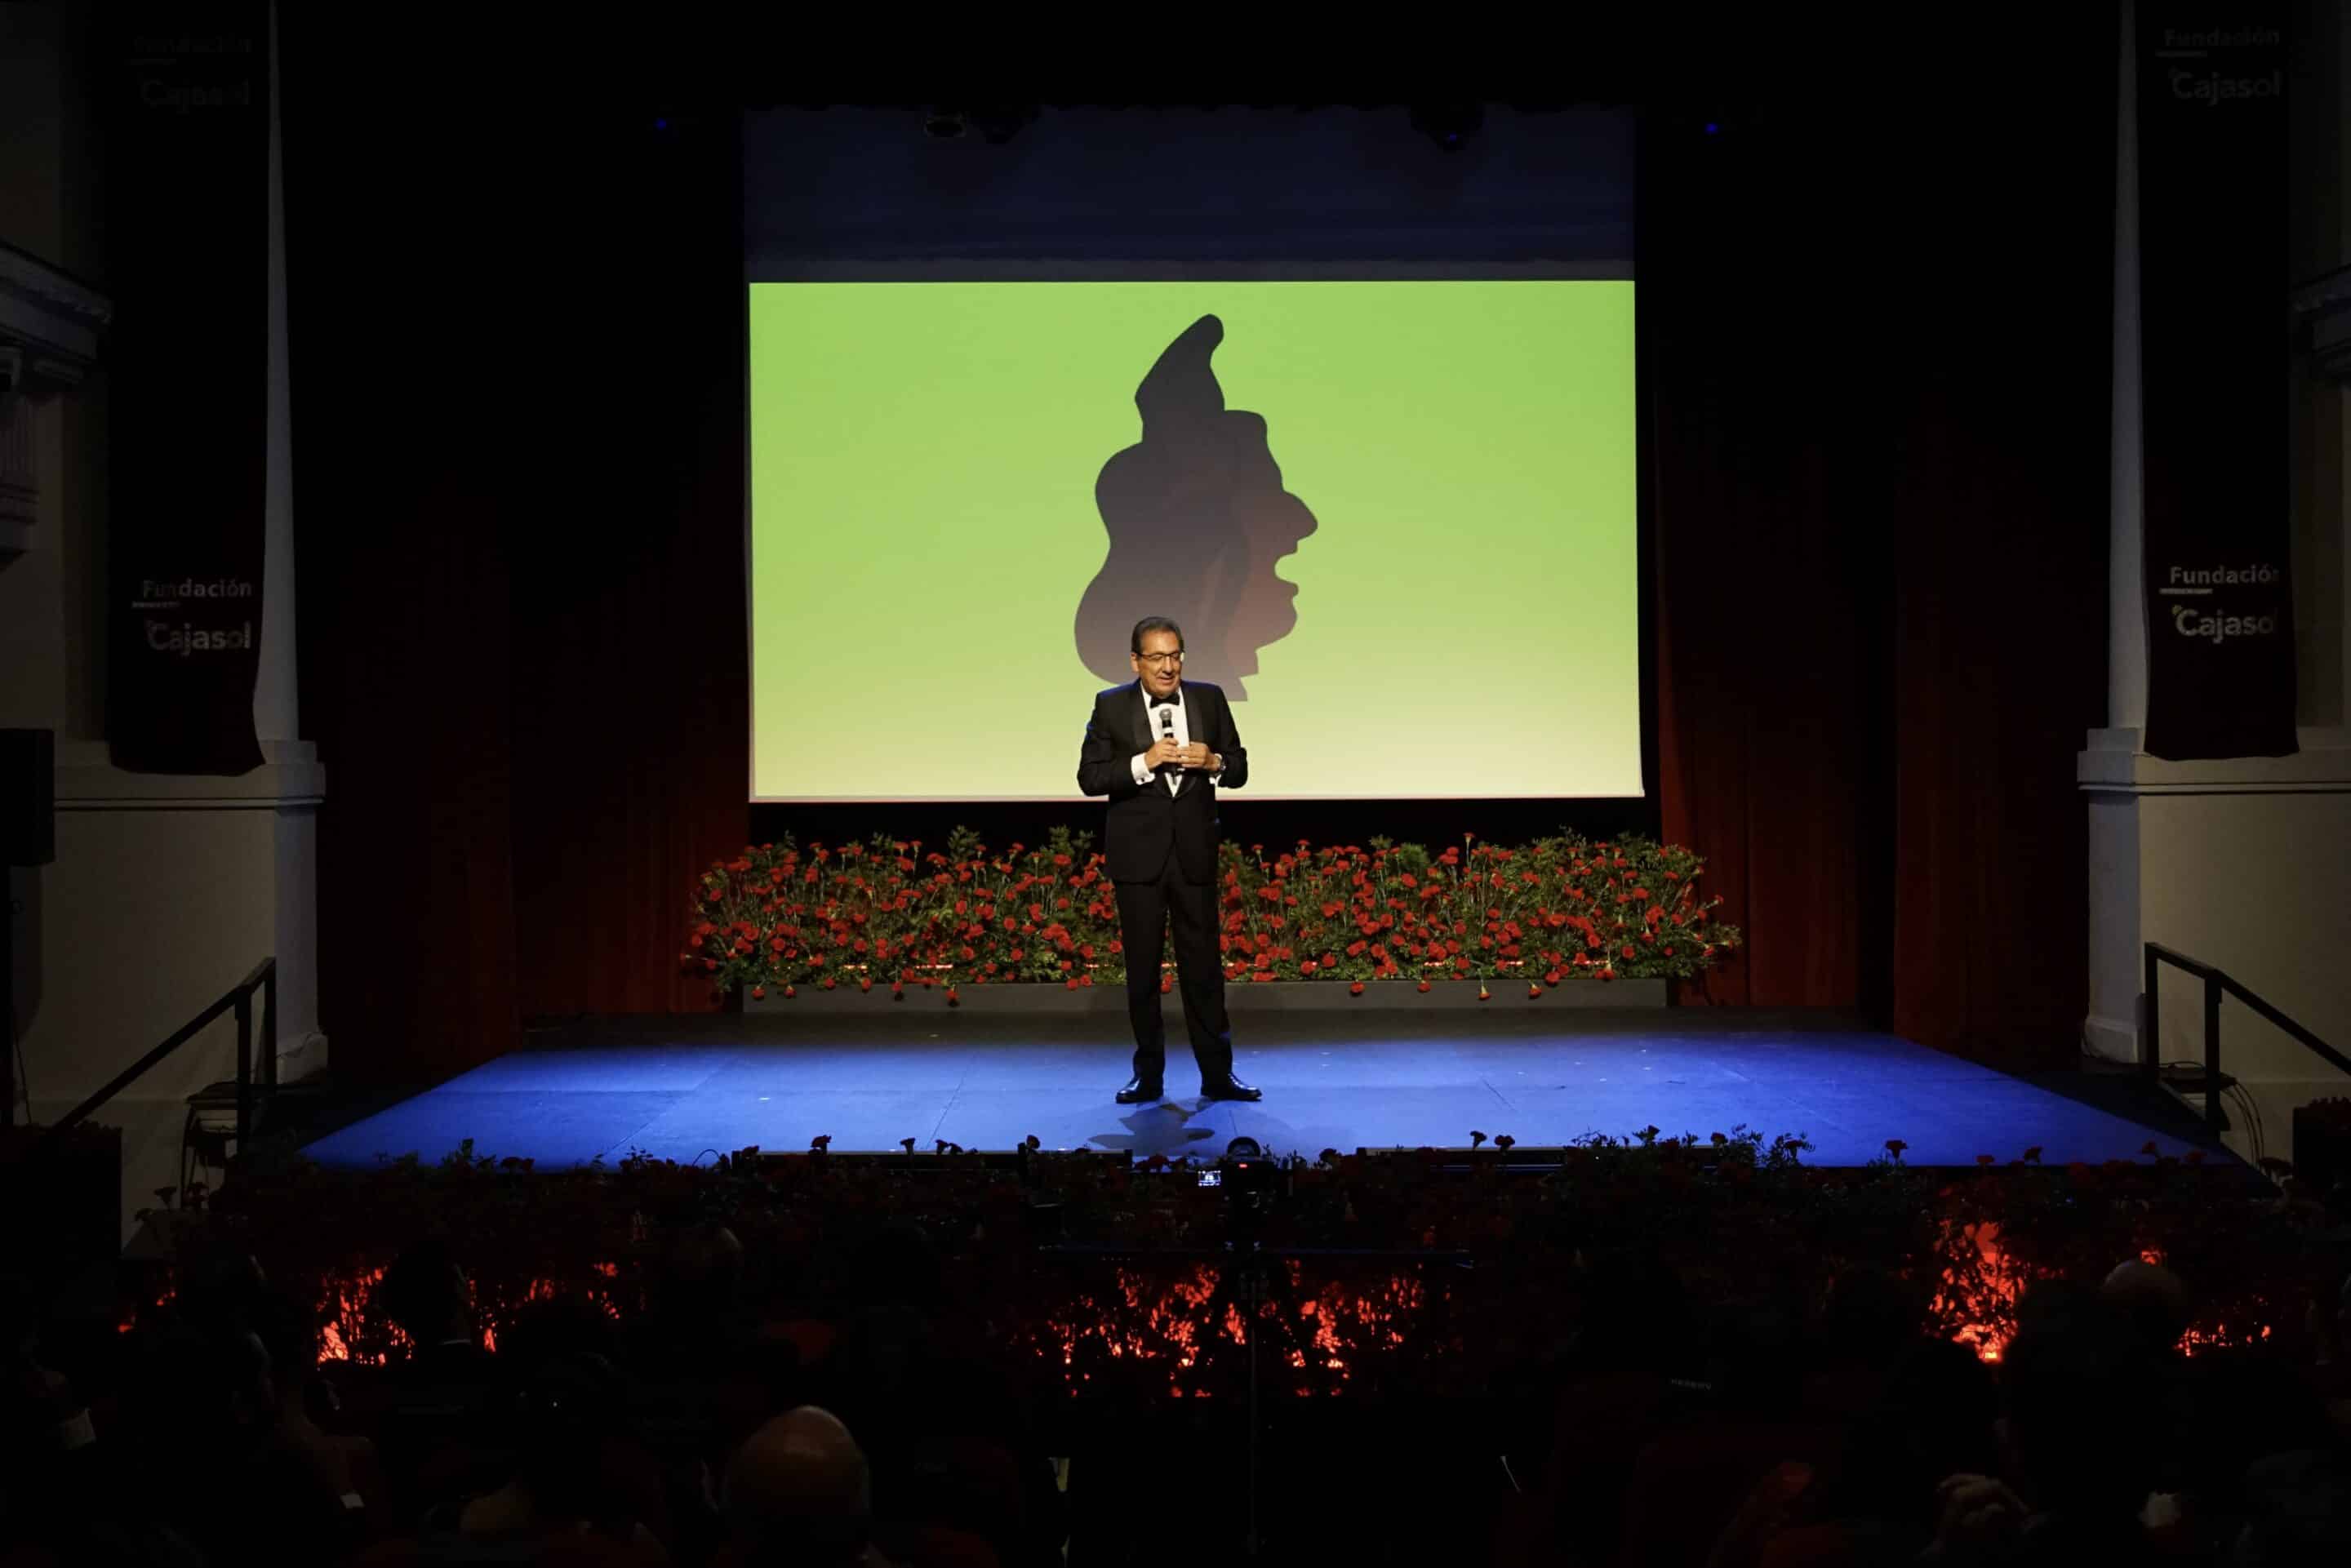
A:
1159	748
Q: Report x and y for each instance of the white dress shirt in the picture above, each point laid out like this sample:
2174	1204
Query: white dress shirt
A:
1150	707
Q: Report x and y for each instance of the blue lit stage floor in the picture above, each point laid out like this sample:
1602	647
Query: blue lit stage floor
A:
681	1088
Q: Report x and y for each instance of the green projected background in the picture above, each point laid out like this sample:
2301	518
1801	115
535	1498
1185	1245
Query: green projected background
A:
923	526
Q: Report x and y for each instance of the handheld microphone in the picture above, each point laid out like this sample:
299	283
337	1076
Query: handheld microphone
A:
1166	723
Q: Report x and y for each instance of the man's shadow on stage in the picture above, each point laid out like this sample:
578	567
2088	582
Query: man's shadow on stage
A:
1163	1128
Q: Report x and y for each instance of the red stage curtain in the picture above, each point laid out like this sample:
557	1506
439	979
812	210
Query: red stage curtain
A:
1880	381
630	731
516	370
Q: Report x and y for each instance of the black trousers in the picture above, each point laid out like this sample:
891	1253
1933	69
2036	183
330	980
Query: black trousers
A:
1146	910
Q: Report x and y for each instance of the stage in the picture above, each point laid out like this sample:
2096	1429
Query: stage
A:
682	1088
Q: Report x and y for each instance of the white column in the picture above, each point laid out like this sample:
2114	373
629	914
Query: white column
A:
2238	862
167	888
2111	1029
276	714
2126	484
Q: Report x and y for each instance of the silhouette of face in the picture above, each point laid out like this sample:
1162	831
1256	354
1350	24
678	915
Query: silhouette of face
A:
1198	517
1160	666
1266	523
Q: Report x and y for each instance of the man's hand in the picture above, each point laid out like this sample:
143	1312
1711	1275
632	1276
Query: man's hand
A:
1193	755
1164	751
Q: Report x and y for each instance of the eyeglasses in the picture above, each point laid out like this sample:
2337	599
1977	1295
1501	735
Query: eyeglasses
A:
1163	659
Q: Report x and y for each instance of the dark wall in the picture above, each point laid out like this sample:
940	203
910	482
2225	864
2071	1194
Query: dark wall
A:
1876	346
1874	327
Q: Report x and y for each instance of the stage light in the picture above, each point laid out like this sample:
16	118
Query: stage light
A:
999	123
995	123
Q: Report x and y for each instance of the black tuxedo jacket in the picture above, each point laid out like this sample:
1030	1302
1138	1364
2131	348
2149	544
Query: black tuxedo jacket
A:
1145	822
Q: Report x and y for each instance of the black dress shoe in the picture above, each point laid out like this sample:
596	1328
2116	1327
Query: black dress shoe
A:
1230	1088
1136	1092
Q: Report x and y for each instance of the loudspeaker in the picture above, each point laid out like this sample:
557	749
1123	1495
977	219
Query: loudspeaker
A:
2322	1142
28	799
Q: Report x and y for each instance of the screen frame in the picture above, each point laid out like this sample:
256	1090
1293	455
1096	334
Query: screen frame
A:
950	270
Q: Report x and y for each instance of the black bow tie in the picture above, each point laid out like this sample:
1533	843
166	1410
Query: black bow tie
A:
1173	699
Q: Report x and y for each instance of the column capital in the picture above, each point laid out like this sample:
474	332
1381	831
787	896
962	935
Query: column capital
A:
2322	307
2112	763
50	322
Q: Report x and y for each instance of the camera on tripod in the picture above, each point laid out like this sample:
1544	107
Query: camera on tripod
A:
1245	1172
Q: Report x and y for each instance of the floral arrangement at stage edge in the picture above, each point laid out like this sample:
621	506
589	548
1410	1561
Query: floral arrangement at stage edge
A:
896	912
1740	1221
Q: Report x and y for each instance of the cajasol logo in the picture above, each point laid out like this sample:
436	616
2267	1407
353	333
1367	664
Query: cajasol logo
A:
2213	90
184	640
2190	622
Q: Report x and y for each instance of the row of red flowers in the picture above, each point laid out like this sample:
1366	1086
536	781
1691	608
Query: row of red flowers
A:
1738	1220
896	912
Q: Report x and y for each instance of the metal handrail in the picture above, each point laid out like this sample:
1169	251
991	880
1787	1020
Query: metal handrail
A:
2216	981
263	978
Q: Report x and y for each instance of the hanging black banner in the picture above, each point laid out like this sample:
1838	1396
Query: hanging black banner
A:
2212	274
187	147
